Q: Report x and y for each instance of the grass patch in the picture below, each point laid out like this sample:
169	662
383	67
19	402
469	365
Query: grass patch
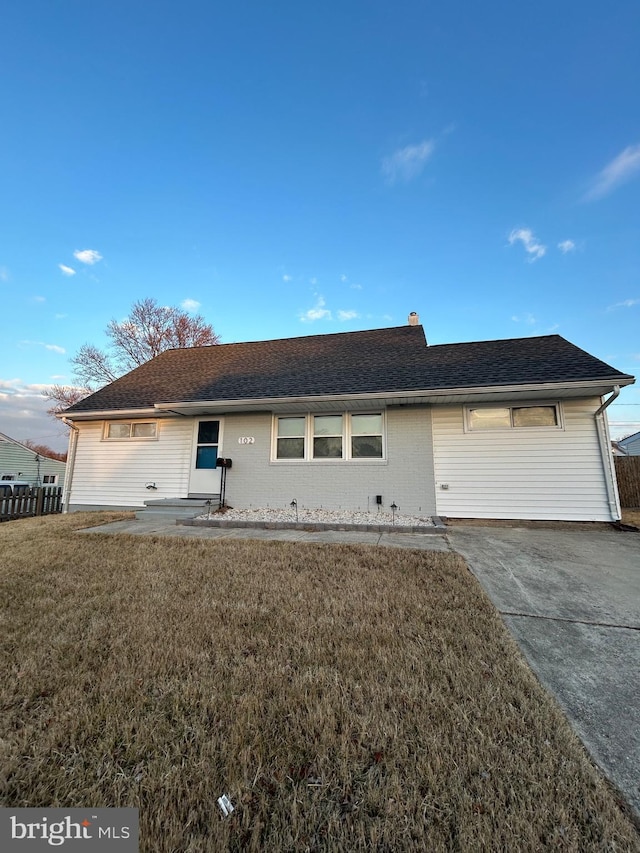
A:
631	516
345	697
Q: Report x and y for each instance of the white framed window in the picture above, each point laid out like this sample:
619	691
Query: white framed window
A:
125	430
291	438
545	416
327	436
335	437
50	479
366	436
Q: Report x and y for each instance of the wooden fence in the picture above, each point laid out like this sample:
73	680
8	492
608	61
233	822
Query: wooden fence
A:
628	474
43	500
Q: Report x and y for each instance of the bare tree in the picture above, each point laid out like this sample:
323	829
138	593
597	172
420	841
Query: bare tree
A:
148	330
44	450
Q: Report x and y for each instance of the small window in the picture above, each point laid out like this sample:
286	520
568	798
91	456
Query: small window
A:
8	477
119	431
208	432
513	417
366	436
143	430
327	437
135	429
50	479
290	439
535	416
489	418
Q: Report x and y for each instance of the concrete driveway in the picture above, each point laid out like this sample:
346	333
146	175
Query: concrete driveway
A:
571	598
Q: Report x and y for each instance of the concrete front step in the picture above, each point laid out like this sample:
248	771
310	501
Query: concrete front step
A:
176	508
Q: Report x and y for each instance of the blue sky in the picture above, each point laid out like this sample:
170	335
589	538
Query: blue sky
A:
290	168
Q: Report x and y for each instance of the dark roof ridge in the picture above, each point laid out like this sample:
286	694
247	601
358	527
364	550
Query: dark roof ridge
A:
501	341
322	335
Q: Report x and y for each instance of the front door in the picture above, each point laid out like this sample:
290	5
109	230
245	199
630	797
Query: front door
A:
205	475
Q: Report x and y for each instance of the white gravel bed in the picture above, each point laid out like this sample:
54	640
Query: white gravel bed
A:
319	516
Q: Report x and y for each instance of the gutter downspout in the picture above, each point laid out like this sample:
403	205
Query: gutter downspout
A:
604	440
71	461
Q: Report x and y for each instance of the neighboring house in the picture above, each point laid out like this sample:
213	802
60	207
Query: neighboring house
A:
18	462
494	429
617	450
631	444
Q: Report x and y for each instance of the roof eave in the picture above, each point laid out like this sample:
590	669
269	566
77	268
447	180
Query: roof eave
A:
101	414
590	387
593	387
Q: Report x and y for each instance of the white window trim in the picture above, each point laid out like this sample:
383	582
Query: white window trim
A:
52	481
309	435
511	406
105	430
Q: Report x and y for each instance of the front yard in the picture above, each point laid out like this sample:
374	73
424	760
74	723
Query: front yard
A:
344	697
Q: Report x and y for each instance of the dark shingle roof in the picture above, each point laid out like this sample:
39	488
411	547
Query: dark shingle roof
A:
380	360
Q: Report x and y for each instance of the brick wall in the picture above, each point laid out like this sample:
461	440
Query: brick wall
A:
404	477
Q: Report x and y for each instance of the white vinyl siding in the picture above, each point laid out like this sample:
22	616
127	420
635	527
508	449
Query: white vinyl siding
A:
536	473
114	473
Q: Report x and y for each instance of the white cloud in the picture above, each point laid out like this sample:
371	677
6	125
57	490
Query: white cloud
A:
620	170
23	414
527	319
38	299
407	163
87	256
567	246
626	303
4	274
355	286
347	315
51	347
190	304
59	316
343	278
533	248
318	312
65	270
287	278
313	281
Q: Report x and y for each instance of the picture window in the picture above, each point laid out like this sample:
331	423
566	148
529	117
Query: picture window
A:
329	437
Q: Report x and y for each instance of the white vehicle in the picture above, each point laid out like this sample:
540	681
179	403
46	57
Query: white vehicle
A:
9	488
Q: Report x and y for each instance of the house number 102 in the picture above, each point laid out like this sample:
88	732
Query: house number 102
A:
246	439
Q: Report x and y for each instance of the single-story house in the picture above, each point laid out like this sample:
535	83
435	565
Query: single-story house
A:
630	445
493	429
19	462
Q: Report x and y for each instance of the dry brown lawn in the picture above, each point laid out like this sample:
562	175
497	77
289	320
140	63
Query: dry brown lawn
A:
346	698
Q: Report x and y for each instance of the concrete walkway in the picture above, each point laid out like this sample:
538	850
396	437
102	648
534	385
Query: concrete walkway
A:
571	599
141	527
